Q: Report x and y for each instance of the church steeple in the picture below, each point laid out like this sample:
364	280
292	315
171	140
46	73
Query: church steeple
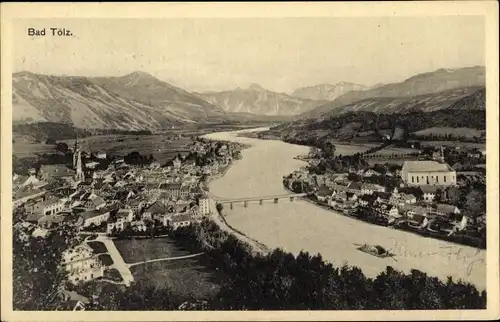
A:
79	170
76	150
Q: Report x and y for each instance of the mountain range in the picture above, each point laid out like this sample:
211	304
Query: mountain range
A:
257	100
140	101
437	81
327	92
134	101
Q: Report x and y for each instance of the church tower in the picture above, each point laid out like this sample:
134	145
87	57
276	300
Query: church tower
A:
76	151
79	170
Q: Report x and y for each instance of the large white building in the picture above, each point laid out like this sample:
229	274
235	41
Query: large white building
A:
81	264
420	173
204	204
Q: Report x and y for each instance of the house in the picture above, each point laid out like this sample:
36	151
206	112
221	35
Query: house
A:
429	193
410	211
370	188
118	225
93	217
48	207
419	173
397	198
387	210
184	191
172	189
94	203
180	221
23	181
138	225
101	155
91	165
81	264
24	194
204	205
367	200
127	214
371	173
156	210
323	194
34	218
354	187
48	221
135	204
444	209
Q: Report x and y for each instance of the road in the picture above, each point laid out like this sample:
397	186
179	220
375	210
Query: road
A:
118	261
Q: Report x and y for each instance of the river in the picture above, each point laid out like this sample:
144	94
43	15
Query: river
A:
301	225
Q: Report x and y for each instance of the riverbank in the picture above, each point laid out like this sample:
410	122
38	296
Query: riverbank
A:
302	225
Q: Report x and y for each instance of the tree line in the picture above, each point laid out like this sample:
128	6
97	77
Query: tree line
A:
282	281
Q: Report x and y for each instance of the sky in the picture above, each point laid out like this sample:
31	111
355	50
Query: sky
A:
280	54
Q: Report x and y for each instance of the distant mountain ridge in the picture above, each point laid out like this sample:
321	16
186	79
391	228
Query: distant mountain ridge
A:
135	101
427	83
326	91
458	108
257	100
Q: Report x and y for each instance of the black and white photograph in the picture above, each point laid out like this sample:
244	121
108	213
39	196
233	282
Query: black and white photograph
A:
225	161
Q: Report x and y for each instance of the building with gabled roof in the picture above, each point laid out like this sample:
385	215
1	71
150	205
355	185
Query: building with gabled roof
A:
418	173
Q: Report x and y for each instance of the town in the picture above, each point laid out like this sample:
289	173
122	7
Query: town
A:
100	196
424	195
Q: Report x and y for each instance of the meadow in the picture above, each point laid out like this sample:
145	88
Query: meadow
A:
163	147
135	250
188	278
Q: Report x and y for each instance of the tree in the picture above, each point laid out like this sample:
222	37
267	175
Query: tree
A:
36	274
439	195
62	147
476	202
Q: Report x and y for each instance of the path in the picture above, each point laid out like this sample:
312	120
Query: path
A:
119	264
163	259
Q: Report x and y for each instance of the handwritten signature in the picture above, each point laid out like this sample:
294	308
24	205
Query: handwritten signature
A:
451	252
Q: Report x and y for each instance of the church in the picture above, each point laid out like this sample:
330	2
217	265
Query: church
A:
420	173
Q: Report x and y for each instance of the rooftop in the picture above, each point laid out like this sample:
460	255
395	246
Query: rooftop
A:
428	189
426	166
180	218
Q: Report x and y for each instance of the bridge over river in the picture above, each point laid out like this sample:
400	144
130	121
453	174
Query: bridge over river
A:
246	200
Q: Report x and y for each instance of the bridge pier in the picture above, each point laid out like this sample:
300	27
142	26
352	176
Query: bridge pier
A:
292	199
276	200
230	205
245	204
261	202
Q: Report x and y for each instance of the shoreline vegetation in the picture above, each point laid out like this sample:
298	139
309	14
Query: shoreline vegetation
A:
280	280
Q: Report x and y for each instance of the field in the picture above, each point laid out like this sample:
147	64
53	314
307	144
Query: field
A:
98	247
468	145
463	131
106	259
162	147
189	278
136	250
25	149
393	150
186	277
350	149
